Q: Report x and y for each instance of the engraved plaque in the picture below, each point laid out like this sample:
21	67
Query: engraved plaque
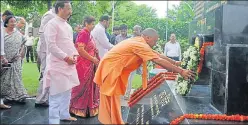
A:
157	107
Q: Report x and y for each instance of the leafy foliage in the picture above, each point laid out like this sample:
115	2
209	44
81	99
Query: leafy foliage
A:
126	12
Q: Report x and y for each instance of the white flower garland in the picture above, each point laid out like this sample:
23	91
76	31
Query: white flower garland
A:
191	58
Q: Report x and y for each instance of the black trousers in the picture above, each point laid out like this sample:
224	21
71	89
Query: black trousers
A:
174	58
30	53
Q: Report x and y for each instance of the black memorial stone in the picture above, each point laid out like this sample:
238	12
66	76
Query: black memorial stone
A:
219	59
225	31
237	79
150	111
229	90
218	92
158	107
228	83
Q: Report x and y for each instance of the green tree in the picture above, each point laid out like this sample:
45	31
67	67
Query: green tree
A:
178	21
31	10
126	12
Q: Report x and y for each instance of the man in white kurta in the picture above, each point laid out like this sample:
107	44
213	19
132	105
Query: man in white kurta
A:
42	99
60	73
100	37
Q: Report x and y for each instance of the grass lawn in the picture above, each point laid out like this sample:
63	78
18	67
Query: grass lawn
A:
137	81
30	77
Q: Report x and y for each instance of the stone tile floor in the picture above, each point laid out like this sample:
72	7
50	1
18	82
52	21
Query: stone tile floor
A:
28	114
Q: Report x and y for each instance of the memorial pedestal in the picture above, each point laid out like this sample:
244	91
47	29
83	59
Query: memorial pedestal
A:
229	62
158	107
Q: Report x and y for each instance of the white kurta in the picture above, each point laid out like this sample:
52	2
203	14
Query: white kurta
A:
59	37
42	96
101	39
41	46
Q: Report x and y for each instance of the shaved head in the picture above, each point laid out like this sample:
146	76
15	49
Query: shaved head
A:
150	32
151	36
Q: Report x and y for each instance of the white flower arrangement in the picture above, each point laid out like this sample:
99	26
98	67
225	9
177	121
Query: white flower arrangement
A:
190	61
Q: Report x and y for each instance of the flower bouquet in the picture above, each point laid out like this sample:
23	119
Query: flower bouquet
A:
190	61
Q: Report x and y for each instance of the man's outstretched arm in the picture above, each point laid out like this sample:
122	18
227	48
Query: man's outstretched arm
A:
177	63
169	66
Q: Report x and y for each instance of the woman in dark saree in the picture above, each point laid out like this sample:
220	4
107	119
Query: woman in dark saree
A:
11	80
85	97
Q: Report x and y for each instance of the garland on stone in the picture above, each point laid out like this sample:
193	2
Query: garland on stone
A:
190	61
202	53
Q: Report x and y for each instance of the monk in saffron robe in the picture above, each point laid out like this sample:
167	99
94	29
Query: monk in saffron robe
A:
115	67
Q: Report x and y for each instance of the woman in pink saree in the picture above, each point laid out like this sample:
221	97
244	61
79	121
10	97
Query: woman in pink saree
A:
85	97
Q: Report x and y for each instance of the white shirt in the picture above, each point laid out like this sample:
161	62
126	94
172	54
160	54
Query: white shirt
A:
41	46
101	40
172	49
2	37
30	41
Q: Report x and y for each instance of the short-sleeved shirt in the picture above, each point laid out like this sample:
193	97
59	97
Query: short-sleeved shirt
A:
115	67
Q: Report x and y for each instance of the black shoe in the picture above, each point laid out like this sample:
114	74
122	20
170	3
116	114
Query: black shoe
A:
6	101
41	105
20	101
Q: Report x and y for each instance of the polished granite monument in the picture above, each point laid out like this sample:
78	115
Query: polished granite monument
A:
229	62
158	107
225	63
163	105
